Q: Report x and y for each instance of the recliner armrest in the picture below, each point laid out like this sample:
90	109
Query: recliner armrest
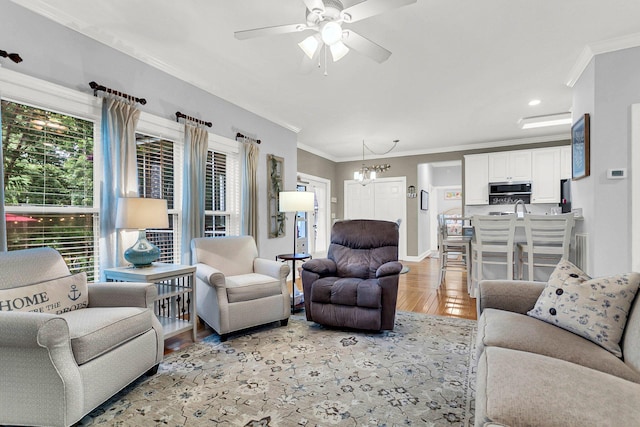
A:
269	267
517	296
389	269
210	275
122	294
321	266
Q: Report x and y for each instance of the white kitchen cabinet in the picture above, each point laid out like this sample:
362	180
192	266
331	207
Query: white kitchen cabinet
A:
510	166
545	171
476	179
565	162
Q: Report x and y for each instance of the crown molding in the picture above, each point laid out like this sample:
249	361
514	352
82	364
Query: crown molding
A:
593	49
437	150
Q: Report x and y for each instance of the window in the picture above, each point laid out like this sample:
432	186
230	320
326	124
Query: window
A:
48	173
156	180
221	194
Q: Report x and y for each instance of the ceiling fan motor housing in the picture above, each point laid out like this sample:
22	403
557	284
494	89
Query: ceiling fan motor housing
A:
332	9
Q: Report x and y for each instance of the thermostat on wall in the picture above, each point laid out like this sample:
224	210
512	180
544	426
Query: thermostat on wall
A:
619	173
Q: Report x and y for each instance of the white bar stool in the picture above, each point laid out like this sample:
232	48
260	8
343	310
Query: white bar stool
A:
548	240
492	244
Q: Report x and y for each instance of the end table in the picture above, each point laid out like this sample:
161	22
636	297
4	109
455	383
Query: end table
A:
175	306
293	258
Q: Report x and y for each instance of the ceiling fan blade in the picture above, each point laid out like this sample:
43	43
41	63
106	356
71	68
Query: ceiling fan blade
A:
370	8
270	31
365	46
314	5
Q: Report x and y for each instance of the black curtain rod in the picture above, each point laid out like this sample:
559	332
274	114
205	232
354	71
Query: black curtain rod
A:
193	119
96	87
239	135
12	56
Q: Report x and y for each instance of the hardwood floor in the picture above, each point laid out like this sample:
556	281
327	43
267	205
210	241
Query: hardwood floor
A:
418	291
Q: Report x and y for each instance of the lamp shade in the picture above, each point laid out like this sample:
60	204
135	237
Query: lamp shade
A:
141	213
296	201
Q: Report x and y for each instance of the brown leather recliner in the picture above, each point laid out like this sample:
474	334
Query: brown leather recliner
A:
356	286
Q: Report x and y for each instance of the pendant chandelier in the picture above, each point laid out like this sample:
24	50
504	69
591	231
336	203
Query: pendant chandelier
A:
367	174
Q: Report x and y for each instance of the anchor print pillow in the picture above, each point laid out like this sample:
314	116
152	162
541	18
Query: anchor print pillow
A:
595	309
52	296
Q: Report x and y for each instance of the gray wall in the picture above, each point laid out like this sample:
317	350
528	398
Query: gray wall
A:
606	90
59	55
315	165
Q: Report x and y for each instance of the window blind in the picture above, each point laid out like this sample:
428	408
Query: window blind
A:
48	170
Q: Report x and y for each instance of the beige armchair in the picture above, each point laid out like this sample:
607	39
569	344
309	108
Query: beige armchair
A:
235	289
57	367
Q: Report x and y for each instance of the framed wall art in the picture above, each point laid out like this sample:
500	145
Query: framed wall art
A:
275	172
580	167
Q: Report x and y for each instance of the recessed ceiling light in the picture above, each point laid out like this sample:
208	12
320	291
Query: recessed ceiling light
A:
544	121
534	102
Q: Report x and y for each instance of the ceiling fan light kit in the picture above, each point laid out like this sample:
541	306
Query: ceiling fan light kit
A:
326	17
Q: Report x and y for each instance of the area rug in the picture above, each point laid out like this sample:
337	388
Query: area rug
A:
422	373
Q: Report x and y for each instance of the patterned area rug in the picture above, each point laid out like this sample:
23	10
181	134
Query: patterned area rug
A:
422	374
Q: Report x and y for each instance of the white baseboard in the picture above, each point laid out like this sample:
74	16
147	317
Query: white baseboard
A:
417	258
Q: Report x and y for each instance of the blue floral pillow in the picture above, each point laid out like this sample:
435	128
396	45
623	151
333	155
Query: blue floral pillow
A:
595	309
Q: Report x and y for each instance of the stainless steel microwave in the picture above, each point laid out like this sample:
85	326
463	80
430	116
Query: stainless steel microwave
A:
508	193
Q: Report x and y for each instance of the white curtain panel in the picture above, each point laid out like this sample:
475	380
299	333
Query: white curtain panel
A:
249	205
196	142
120	177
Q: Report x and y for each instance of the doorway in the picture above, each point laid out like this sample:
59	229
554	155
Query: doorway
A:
315	227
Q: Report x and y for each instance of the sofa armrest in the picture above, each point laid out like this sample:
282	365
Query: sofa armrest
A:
23	329
517	296
321	266
210	275
122	294
269	267
389	269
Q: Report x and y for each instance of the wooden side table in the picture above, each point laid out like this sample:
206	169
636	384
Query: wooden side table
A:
175	306
293	258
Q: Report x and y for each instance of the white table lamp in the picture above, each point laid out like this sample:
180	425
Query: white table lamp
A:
142	213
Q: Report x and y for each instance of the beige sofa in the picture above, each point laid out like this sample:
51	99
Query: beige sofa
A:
532	373
57	366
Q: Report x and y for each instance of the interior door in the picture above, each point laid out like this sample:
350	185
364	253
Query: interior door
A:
382	199
318	222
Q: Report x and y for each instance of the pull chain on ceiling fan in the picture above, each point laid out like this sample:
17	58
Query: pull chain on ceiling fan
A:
326	18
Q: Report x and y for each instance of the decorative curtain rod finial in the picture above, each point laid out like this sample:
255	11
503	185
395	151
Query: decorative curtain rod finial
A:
12	56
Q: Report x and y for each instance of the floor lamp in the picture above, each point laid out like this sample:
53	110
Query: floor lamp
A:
296	201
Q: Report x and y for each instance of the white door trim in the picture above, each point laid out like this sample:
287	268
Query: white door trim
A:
327	201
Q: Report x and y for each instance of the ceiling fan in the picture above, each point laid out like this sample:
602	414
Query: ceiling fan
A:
325	18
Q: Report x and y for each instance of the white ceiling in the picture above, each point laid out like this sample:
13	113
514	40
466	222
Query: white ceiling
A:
461	74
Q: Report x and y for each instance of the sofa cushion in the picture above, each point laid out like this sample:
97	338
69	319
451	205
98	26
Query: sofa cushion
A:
348	291
51	296
97	330
247	287
517	388
595	309
499	328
